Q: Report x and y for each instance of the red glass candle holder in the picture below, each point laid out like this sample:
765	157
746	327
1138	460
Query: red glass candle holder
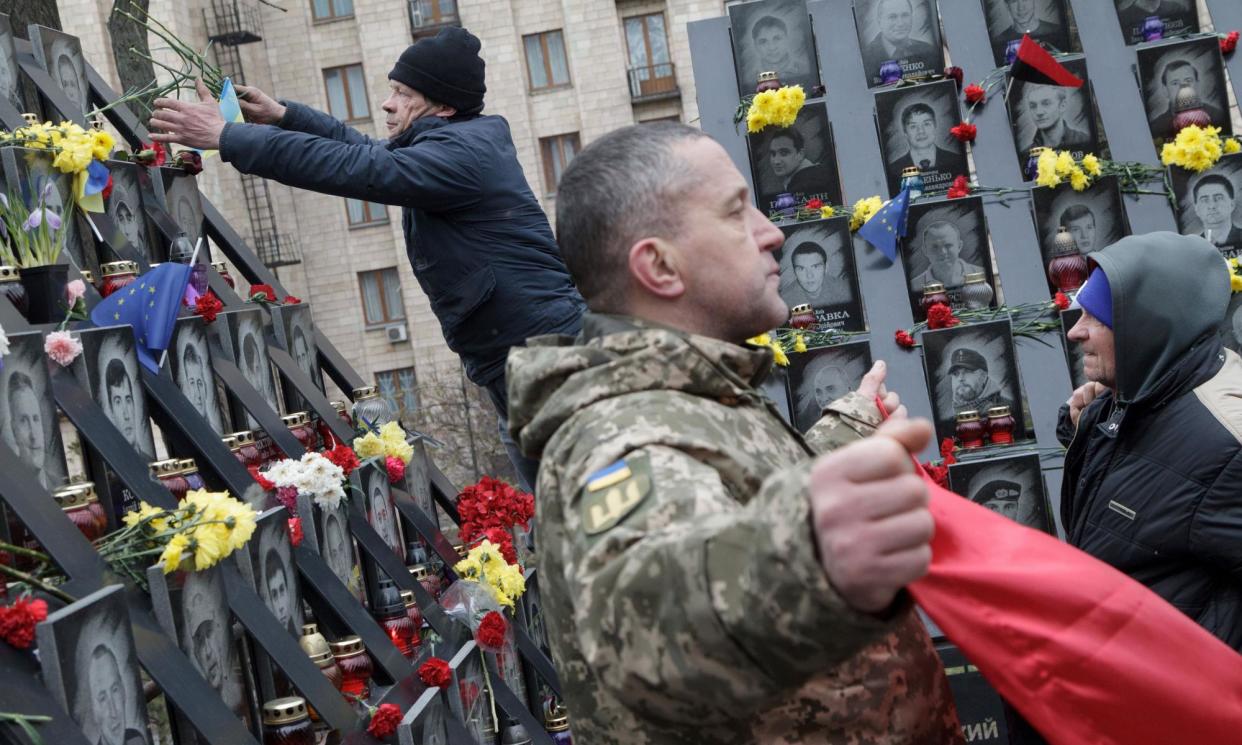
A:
768	81
969	430
80	505
431	581
299	425
189	471
1000	425
933	292
329	438
392	616
416	619
801	316
117	274
245	448
1068	268
169	473
286	721
356	666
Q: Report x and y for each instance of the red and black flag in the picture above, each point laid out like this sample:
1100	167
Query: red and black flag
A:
1034	65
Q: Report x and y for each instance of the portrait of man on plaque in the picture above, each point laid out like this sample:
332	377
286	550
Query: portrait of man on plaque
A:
275	577
124	206
1054	116
250	352
817	269
114	380
820	376
1012	486
297	333
86	651
901	32
914	128
204	630
1094	217
1231	327
189	358
1073	349
797	160
1182	75
61	55
1009	20
336	546
1207	203
29	424
185	204
1174	18
773	36
946	243
972	368
10	71
381	512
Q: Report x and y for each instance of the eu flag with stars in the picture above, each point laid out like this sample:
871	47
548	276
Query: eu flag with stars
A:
887	225
150	304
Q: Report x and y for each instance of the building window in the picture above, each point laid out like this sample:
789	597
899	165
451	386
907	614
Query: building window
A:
381	296
546	64
557	152
400	388
325	10
347	93
651	66
425	13
365	213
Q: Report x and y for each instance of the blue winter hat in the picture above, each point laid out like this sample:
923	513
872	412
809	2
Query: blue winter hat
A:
1096	297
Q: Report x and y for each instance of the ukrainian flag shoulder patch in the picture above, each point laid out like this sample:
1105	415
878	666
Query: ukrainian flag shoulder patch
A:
612	493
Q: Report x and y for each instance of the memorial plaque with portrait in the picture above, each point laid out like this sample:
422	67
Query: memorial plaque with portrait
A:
817	269
914	131
244	341
972	368
425	722
109	364
1176	17
1008	20
947	242
817	377
189	360
1054	116
1012	486
798	160
1207	203
1231	327
468	694
330	537
183	202
773	36
381	512
271	569
1073	349
1191	69
904	32
61	55
10	71
193	609
41	183
1094	217
297	334
90	666
125	208
531	617
29	423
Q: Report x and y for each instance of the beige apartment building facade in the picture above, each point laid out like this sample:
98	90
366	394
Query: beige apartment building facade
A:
562	72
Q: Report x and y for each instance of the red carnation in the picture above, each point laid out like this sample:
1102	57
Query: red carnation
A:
295	531
939	474
947	447
344	457
965	132
435	672
262	294
491	632
191	161
207	306
492	503
1229	42
384	721
959	188
975	94
288	496
814	204
1061	301
161	153
17	621
956	73
107	190
904	339
396	469
940	316
291	300
260	479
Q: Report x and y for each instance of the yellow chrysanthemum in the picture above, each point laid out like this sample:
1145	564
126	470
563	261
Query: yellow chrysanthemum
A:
103	144
158	518
827	212
1046	169
1091	164
1065	164
799	343
778	354
775	108
1194	148
1232	146
1078	180
369	445
1235	283
171	558
211	544
761	340
863	210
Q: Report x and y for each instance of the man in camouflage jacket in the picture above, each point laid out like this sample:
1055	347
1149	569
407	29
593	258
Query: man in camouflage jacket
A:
706	578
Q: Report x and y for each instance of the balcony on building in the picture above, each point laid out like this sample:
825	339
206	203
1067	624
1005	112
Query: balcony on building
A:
234	22
653	82
276	249
427	17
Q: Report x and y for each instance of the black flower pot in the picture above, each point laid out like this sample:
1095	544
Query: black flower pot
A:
45	288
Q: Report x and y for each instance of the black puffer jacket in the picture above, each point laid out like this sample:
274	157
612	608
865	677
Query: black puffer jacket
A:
1153	475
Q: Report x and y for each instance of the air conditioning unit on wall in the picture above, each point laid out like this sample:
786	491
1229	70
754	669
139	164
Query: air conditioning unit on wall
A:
397	333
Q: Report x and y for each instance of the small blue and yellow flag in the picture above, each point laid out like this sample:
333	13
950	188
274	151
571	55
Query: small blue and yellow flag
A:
230	108
89	185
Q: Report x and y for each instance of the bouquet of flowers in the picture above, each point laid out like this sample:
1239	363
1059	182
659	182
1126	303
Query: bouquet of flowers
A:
313	475
389	442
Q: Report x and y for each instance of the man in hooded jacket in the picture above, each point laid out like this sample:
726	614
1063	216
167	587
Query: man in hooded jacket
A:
1154	459
478	241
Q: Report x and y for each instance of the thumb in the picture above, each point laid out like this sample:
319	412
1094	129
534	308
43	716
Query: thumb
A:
911	434
204	94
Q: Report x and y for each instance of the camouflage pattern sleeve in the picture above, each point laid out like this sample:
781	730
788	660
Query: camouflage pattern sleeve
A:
849	418
689	603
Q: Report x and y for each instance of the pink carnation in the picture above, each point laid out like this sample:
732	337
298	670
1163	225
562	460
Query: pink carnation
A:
75	291
62	347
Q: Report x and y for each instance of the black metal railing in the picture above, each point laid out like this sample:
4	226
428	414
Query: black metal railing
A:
650	82
233	22
429	16
276	250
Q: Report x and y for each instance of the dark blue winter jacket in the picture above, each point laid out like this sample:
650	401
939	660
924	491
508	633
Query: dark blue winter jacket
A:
479	244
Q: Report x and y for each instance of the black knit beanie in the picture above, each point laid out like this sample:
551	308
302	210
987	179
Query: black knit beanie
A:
446	69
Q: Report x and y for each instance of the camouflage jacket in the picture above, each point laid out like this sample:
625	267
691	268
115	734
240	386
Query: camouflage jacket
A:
682	591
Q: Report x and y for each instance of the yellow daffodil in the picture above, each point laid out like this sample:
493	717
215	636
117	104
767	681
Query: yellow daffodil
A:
1078	180
171	558
1091	164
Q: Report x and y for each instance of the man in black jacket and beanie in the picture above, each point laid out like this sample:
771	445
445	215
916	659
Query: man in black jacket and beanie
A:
480	246
1153	474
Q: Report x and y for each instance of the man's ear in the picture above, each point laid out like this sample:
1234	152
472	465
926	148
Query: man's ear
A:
446	112
654	266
